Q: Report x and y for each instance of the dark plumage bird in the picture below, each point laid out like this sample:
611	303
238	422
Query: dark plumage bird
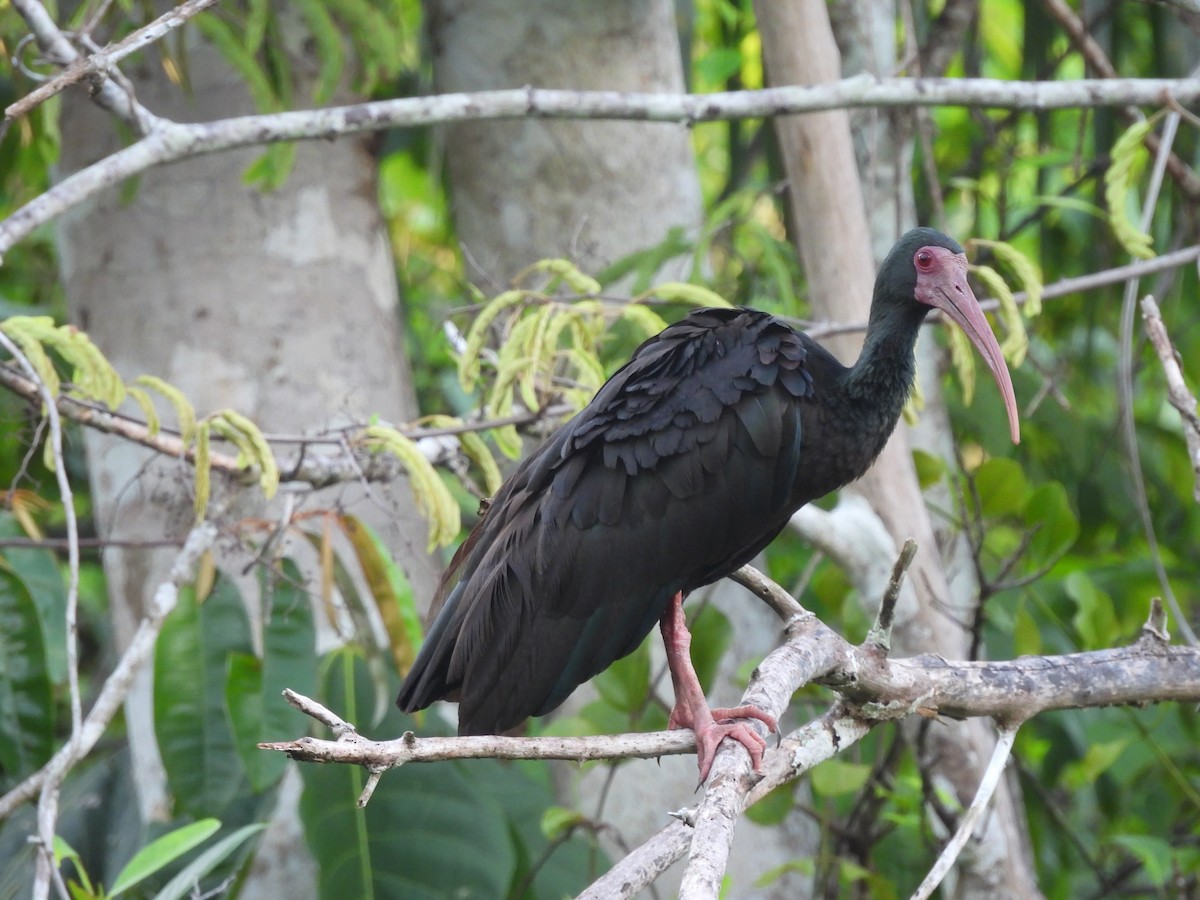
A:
685	465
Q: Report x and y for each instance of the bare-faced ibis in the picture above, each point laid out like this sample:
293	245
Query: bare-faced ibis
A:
685	465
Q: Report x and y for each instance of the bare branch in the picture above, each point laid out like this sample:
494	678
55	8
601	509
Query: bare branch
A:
58	48
169	141
97	67
875	689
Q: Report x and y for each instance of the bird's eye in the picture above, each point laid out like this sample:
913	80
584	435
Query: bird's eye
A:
924	260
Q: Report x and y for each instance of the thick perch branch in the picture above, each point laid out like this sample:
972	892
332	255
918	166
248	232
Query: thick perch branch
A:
874	689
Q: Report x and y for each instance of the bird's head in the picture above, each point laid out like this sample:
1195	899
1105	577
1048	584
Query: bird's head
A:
931	268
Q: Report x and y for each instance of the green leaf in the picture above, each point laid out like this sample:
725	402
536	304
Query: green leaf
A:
836	777
254	687
429	831
1098	759
162	852
190	720
626	683
1094	618
1001	486
1154	853
289	652
930	468
682	292
773	808
1049	511
64	852
37	568
26	697
711	637
434	499
558	820
183	884
1129	155
245	702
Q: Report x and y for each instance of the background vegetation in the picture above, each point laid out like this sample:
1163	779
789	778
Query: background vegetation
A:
1112	797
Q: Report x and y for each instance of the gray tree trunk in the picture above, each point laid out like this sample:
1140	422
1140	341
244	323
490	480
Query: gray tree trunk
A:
594	192
835	242
281	305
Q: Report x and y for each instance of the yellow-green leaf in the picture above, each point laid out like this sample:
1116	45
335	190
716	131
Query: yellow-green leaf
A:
1024	268
682	292
567	271
185	413
252	446
433	498
149	413
203	462
468	363
1128	155
643	318
1016	341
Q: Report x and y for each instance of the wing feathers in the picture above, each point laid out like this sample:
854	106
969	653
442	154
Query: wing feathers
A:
671	476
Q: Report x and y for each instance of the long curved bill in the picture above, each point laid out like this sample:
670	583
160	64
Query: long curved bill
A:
953	296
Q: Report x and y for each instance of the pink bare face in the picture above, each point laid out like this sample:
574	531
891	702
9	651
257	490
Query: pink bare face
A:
942	283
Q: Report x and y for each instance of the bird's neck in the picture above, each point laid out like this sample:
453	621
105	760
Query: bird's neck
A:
880	382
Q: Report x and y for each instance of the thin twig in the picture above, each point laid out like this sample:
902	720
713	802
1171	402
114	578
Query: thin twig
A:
58	48
1125	389
966	827
47	817
880	635
99	65
1178	392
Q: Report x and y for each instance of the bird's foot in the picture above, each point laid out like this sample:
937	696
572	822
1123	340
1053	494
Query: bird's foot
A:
711	726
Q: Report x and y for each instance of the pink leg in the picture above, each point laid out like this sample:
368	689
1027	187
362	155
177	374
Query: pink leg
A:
691	708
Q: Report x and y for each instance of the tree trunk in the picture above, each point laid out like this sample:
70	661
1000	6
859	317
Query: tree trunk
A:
835	243
281	305
594	192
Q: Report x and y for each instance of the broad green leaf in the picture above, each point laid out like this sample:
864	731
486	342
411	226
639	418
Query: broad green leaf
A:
26	697
711	637
184	884
245	702
836	777
558	820
1094	618
1154	853
930	468
162	852
1001	486
1027	634
64	852
1049	511
38	569
190	718
773	808
1098	759
289	653
626	683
